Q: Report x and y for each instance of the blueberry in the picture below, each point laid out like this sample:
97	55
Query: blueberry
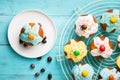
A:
37	74
39	58
49	59
42	70
32	66
49	76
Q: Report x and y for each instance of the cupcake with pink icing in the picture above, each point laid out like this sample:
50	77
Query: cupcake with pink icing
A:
101	47
118	39
86	26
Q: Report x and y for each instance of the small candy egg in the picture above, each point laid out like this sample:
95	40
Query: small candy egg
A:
76	53
31	36
111	77
113	19
85	73
102	48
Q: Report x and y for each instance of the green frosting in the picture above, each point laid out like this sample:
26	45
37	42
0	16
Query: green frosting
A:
106	20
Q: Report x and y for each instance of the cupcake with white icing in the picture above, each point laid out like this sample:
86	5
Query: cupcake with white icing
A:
118	39
109	73
32	34
86	26
82	72
101	47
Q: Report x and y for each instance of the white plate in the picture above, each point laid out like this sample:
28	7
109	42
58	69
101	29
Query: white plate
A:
26	17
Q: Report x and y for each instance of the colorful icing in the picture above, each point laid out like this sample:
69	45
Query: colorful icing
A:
112	20
109	74
85	26
118	62
31	34
76	50
98	42
83	72
118	39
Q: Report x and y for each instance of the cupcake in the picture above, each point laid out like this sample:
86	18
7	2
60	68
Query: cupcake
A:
110	20
82	72
109	73
118	39
118	63
32	34
86	26
75	50
101	47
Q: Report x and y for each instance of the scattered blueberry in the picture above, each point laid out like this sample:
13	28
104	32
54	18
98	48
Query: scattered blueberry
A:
42	70
37	74
32	66
49	59
44	40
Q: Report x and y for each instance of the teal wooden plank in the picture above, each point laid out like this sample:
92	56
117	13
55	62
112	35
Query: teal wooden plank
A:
13	66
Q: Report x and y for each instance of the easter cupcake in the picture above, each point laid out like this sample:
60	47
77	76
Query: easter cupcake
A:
110	20
82	72
101	47
109	73
75	50
118	63
32	34
118	39
86	26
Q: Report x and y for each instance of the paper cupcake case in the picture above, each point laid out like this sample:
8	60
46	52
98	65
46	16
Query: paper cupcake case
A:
96	8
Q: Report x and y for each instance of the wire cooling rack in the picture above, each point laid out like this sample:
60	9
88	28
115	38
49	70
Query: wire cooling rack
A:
95	8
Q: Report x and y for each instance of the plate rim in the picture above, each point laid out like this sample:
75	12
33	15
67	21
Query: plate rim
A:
33	10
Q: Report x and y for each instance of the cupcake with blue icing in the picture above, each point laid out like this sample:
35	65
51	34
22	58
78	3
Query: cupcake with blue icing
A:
110	20
109	73
82	72
32	34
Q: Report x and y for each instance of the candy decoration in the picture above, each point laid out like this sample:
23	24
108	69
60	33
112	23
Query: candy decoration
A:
102	48
83	27
113	20
76	52
85	73
31	36
111	77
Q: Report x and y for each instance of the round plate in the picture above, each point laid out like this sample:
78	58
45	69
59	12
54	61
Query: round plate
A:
26	17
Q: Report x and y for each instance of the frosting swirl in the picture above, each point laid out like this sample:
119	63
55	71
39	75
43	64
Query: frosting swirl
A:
78	72
90	26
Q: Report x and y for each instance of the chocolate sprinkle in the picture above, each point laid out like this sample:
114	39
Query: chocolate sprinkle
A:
44	40
20	41
49	76
49	59
32	66
37	74
42	70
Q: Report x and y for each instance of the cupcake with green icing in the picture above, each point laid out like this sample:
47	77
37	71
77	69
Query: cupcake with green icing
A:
82	71
32	34
110	20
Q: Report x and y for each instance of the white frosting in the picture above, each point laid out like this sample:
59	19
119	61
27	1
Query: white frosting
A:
88	20
96	52
118	41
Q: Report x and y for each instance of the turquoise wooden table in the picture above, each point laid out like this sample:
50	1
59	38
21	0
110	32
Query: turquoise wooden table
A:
16	67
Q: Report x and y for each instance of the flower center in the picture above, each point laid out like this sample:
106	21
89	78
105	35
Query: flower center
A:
113	19
102	48
111	77
83	27
76	53
30	36
85	73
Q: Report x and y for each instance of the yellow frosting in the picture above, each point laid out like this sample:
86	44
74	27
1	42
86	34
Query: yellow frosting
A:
118	62
73	46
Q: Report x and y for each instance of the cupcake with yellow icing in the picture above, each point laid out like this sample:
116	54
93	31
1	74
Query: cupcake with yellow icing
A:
82	71
118	63
32	34
86	26
109	73
75	50
110	20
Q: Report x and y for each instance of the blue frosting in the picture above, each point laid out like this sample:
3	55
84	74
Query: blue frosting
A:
77	72
106	72
106	19
34	31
